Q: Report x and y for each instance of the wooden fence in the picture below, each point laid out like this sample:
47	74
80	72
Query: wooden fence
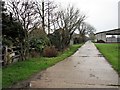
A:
10	55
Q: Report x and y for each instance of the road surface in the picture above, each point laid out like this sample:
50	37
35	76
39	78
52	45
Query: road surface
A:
87	68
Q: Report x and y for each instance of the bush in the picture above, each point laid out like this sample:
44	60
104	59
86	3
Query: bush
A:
100	41
34	53
55	39
50	51
38	43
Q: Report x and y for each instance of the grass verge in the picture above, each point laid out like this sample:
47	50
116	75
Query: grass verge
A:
111	53
23	70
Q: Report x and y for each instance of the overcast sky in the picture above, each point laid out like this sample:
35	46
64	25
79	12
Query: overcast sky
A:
102	14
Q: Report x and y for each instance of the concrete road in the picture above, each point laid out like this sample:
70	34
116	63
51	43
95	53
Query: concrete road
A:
87	68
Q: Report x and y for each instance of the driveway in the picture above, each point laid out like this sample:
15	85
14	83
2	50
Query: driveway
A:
87	68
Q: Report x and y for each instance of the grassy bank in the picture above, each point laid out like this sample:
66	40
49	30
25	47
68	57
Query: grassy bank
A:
110	52
23	70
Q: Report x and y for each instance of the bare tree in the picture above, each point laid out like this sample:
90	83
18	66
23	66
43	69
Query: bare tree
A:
90	31
23	11
45	10
51	9
85	28
68	21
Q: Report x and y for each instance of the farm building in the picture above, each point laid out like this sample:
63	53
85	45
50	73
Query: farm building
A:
109	36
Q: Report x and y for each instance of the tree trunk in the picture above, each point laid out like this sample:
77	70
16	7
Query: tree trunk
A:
43	21
48	19
22	57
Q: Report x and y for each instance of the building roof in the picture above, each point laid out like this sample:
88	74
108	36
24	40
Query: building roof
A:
111	31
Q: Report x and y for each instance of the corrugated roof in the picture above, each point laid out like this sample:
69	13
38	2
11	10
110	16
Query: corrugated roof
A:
107	31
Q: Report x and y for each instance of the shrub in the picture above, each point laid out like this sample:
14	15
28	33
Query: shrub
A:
34	53
38	43
100	41
50	51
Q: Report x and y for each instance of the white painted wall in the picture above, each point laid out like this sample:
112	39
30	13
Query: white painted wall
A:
101	36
